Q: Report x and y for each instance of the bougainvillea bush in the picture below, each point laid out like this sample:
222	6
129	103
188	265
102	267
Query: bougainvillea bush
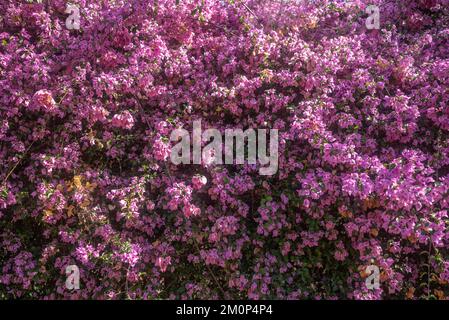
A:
86	177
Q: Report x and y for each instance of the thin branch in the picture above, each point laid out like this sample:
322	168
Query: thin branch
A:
250	11
17	163
126	284
210	270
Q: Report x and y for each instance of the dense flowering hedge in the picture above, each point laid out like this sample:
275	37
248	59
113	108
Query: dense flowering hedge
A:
86	178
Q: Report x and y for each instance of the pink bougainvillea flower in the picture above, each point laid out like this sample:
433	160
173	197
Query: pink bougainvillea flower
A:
190	210
198	181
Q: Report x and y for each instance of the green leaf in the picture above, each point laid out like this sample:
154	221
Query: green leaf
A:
4	193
